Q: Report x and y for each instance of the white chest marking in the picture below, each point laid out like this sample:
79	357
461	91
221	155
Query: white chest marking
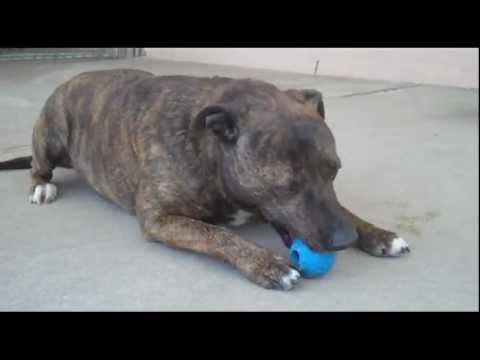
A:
240	217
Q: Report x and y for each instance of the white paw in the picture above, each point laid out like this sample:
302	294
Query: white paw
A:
44	193
397	247
289	280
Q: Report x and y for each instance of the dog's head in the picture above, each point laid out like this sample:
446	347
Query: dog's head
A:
278	157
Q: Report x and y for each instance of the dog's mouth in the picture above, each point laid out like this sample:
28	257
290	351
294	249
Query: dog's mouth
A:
287	236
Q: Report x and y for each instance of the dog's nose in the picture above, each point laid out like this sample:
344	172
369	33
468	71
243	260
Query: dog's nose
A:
342	238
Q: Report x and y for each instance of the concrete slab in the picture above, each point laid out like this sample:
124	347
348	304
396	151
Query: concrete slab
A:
410	164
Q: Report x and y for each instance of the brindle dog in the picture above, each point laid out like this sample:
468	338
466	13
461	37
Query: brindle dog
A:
188	154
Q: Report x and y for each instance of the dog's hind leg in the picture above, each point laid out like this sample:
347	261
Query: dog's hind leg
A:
47	153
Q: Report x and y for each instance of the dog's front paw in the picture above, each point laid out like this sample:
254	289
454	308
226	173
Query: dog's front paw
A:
271	271
383	243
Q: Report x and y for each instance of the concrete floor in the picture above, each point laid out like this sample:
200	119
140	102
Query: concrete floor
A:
410	164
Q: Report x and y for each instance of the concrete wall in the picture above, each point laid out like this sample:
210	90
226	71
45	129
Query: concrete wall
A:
441	66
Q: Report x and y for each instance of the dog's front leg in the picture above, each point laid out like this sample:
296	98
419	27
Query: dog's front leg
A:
377	241
259	265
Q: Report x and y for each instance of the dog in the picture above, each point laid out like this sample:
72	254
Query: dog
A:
191	155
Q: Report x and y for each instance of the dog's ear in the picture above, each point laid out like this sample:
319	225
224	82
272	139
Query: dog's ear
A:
218	119
309	96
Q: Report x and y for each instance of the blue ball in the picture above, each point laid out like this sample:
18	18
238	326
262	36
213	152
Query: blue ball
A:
310	263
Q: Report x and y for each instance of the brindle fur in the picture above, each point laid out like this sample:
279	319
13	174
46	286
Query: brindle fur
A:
185	153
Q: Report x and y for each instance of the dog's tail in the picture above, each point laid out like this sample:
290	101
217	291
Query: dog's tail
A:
19	163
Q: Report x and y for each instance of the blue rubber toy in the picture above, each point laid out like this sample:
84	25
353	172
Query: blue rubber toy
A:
310	263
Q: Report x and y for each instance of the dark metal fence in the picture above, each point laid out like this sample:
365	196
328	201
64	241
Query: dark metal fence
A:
12	54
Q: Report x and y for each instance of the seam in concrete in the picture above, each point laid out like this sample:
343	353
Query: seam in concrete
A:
397	88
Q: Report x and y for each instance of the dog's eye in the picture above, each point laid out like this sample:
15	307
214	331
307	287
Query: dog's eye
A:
291	189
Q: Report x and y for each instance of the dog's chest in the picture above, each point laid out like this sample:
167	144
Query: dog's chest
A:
239	217
229	215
